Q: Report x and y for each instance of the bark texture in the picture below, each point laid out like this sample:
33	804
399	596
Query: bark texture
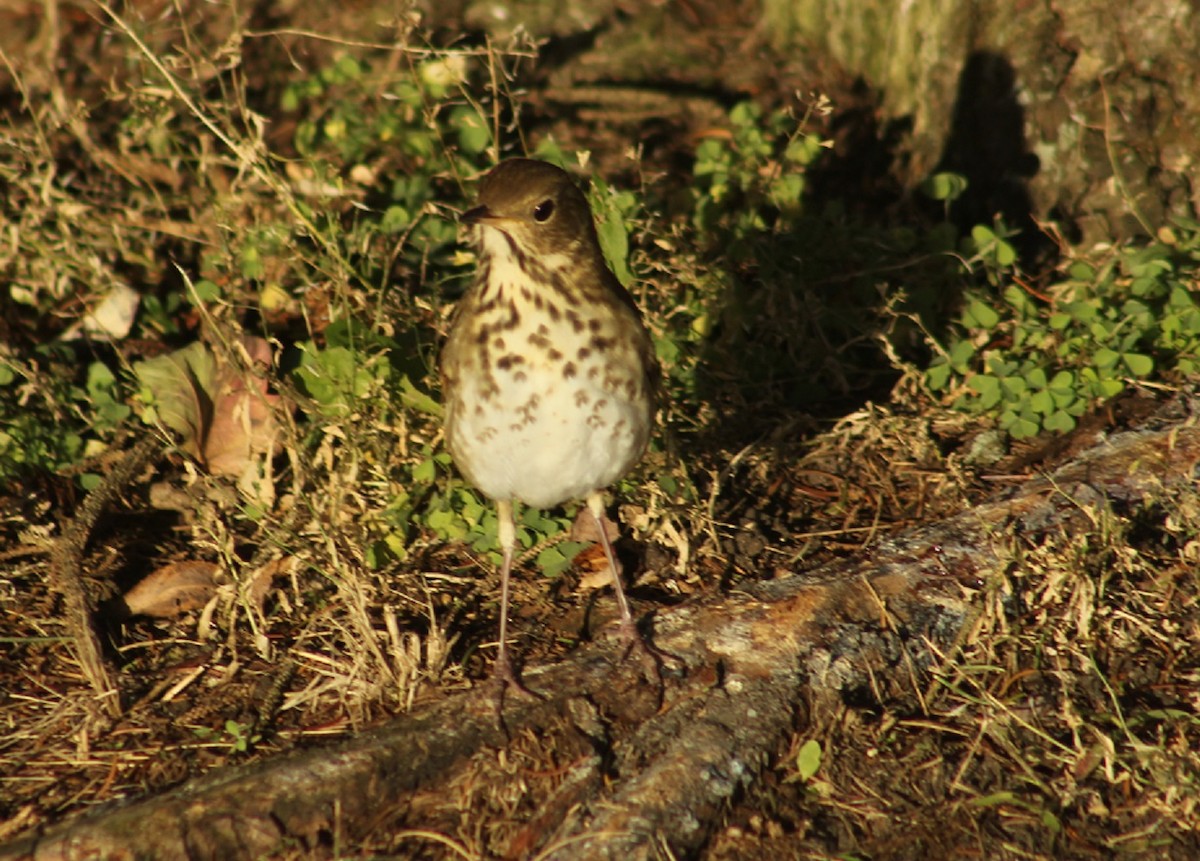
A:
1091	105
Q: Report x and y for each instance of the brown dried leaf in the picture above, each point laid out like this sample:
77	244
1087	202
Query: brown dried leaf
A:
584	527
593	569
174	589
243	423
261	580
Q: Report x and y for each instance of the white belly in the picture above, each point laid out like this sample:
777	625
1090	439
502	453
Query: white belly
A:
560	437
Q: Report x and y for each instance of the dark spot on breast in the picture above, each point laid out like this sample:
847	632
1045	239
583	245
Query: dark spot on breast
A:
600	343
569	370
509	361
583	353
498	343
553	311
553	354
594	325
515	250
558	284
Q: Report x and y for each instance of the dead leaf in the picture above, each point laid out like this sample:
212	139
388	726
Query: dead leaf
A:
243	420
111	319
593	569
174	589
584	527
222	413
262	579
590	562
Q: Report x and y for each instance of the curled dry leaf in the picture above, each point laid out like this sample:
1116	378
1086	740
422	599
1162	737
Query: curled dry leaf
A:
221	412
261	580
174	589
591	564
593	569
111	319
243	423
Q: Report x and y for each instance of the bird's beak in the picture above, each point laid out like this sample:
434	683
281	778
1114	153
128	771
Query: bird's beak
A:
478	215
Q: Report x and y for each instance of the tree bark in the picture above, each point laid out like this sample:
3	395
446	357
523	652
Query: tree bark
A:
1091	106
651	765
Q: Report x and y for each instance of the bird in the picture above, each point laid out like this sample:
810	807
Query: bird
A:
548	371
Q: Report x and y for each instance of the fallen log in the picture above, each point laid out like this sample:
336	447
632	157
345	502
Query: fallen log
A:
649	764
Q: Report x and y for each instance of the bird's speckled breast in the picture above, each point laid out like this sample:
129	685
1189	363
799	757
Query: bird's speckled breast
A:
542	401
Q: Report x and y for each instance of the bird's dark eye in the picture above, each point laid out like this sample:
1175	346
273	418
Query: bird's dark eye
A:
543	210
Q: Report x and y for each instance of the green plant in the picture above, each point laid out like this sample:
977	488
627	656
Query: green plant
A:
1037	360
753	180
237	736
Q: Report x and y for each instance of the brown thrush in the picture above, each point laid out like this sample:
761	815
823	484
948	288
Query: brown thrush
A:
547	372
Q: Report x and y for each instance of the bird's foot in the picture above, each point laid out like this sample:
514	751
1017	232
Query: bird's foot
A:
653	659
504	678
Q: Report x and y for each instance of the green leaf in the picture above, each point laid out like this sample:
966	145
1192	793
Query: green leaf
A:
786	190
1059	421
207	291
961	354
994	800
982	235
1138	364
938	376
395	219
1081	271
988	388
803	150
614	235
1019	425
177	390
808	759
945	186
425	472
1042	402
1108	388
981	315
745	114
554	560
1063	381
414	398
1014	387
474	134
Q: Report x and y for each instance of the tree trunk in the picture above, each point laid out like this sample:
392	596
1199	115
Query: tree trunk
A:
1094	104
